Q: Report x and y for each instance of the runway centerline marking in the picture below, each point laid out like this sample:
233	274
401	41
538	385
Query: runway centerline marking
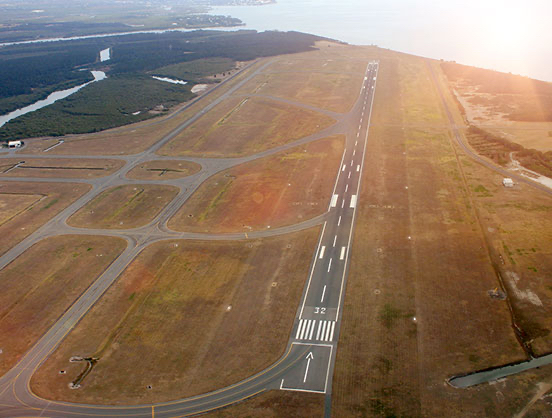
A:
329	265
347	186
343	203
322	298
349	176
335	239
339	220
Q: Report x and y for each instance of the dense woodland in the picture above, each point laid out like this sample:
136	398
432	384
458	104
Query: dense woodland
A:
30	72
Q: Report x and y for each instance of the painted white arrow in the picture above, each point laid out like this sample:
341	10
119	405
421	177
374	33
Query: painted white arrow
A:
309	358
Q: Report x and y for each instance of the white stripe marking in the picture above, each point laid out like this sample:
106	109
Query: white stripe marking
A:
333	203
358	134
335	239
312	329
342	255
339	221
356	142
303	326
328	328
358	168
351	163
347	186
323	294
323	329
343	169
353	200
307	329
332	332
329	265
343	203
318	330
354	152
349	176
322	251
299	329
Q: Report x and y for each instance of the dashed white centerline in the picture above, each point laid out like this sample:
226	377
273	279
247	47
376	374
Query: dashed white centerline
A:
349	176
335	239
356	142
351	163
342	255
347	186
322	298
339	221
322	252
358	134
329	265
354	152
343	203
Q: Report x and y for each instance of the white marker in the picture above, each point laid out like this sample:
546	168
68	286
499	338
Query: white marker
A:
339	221
344	165
347	186
343	203
309	358
329	265
351	163
349	175
356	142
354	152
353	200
335	239
358	168
323	294
342	255
322	252
333	203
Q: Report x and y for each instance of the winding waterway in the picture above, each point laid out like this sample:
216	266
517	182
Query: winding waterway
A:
52	98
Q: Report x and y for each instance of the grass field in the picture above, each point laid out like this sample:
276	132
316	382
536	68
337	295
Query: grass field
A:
417	309
196	71
283	189
169	321
163	170
20	220
43	282
243	126
333	91
58	168
124	207
13	204
276	404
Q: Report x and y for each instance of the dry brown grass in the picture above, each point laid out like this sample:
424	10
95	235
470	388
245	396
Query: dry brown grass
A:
163	170
332	91
42	283
276	404
270	192
58	168
54	197
186	318
389	364
13	204
244	126
124	207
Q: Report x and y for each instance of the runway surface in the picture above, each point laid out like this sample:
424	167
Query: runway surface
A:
308	362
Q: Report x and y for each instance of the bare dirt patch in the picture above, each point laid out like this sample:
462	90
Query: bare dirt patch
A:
283	189
43	282
58	168
276	404
124	207
183	319
54	197
163	170
243	126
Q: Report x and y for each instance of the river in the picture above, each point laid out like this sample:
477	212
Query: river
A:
52	98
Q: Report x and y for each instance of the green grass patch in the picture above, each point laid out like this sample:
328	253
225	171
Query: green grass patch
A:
196	71
106	104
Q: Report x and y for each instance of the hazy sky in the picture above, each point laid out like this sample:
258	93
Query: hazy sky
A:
507	35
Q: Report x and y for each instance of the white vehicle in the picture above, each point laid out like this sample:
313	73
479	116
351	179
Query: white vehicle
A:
15	144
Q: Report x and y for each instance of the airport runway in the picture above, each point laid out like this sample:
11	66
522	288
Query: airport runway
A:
309	359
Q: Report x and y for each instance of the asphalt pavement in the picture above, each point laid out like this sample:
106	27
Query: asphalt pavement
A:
309	360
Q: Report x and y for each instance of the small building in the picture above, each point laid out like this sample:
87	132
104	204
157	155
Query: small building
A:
508	182
15	144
